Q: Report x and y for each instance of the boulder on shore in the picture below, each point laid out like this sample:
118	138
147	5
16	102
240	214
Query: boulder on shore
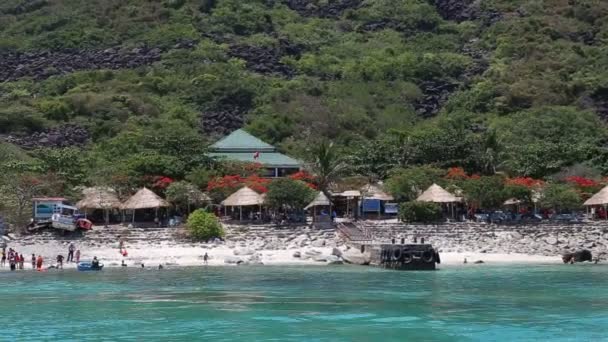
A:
244	251
233	260
354	256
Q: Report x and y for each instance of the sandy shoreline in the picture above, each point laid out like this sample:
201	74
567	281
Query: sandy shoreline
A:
174	255
304	245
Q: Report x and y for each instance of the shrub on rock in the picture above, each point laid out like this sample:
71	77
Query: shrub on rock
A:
203	225
416	211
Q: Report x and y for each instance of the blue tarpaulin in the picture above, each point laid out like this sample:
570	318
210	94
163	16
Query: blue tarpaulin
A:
371	205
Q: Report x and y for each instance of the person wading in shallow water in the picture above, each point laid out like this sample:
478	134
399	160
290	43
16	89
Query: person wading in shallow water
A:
206	258
33	261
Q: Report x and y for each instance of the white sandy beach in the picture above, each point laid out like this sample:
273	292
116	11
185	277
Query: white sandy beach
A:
174	255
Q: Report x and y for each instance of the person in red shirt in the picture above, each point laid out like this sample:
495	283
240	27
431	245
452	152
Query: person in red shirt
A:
39	262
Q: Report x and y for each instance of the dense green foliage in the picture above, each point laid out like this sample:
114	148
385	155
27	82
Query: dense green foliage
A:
561	197
286	193
203	225
424	212
527	91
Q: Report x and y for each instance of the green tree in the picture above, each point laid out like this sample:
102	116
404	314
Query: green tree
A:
424	212
327	164
204	226
487	192
286	193
560	197
184	195
407	184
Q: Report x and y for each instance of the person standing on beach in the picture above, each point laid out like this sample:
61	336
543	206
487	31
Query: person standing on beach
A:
71	249
78	256
21	261
206	258
12	260
33	261
121	244
39	262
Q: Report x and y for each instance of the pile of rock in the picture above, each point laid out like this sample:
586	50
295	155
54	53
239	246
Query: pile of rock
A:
323	9
465	10
223	120
266	59
544	239
43	64
435	94
56	137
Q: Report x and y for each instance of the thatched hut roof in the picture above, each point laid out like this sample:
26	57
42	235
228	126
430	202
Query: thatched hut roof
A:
99	198
437	194
601	198
243	197
320	200
144	199
372	191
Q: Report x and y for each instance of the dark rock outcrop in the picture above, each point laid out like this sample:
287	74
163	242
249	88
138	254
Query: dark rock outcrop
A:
43	64
56	137
328	9
222	120
265	59
465	10
435	94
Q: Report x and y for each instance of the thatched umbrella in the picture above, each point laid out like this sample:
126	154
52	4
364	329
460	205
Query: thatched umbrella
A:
243	197
144	199
371	191
99	198
599	199
374	192
437	194
320	200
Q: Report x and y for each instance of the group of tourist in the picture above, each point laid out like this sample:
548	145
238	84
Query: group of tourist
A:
17	260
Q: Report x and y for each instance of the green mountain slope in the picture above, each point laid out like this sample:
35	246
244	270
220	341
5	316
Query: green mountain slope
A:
515	85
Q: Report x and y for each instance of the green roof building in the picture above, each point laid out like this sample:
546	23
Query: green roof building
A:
242	146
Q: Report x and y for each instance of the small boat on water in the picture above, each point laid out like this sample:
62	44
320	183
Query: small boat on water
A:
88	266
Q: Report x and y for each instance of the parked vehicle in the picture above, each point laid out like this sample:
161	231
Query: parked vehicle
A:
55	213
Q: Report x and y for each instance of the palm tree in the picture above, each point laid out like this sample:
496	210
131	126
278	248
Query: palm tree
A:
327	165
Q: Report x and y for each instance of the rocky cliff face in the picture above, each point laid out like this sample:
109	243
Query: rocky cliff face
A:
62	136
43	64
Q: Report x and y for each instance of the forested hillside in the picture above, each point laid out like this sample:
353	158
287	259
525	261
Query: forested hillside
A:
138	88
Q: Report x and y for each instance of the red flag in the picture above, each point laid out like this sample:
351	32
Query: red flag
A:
256	155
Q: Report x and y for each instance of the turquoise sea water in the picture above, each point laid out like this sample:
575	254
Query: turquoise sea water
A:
348	303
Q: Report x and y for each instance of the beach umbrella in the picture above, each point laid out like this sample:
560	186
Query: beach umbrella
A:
99	198
243	197
144	199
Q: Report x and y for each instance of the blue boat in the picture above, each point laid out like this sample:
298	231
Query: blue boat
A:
88	266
